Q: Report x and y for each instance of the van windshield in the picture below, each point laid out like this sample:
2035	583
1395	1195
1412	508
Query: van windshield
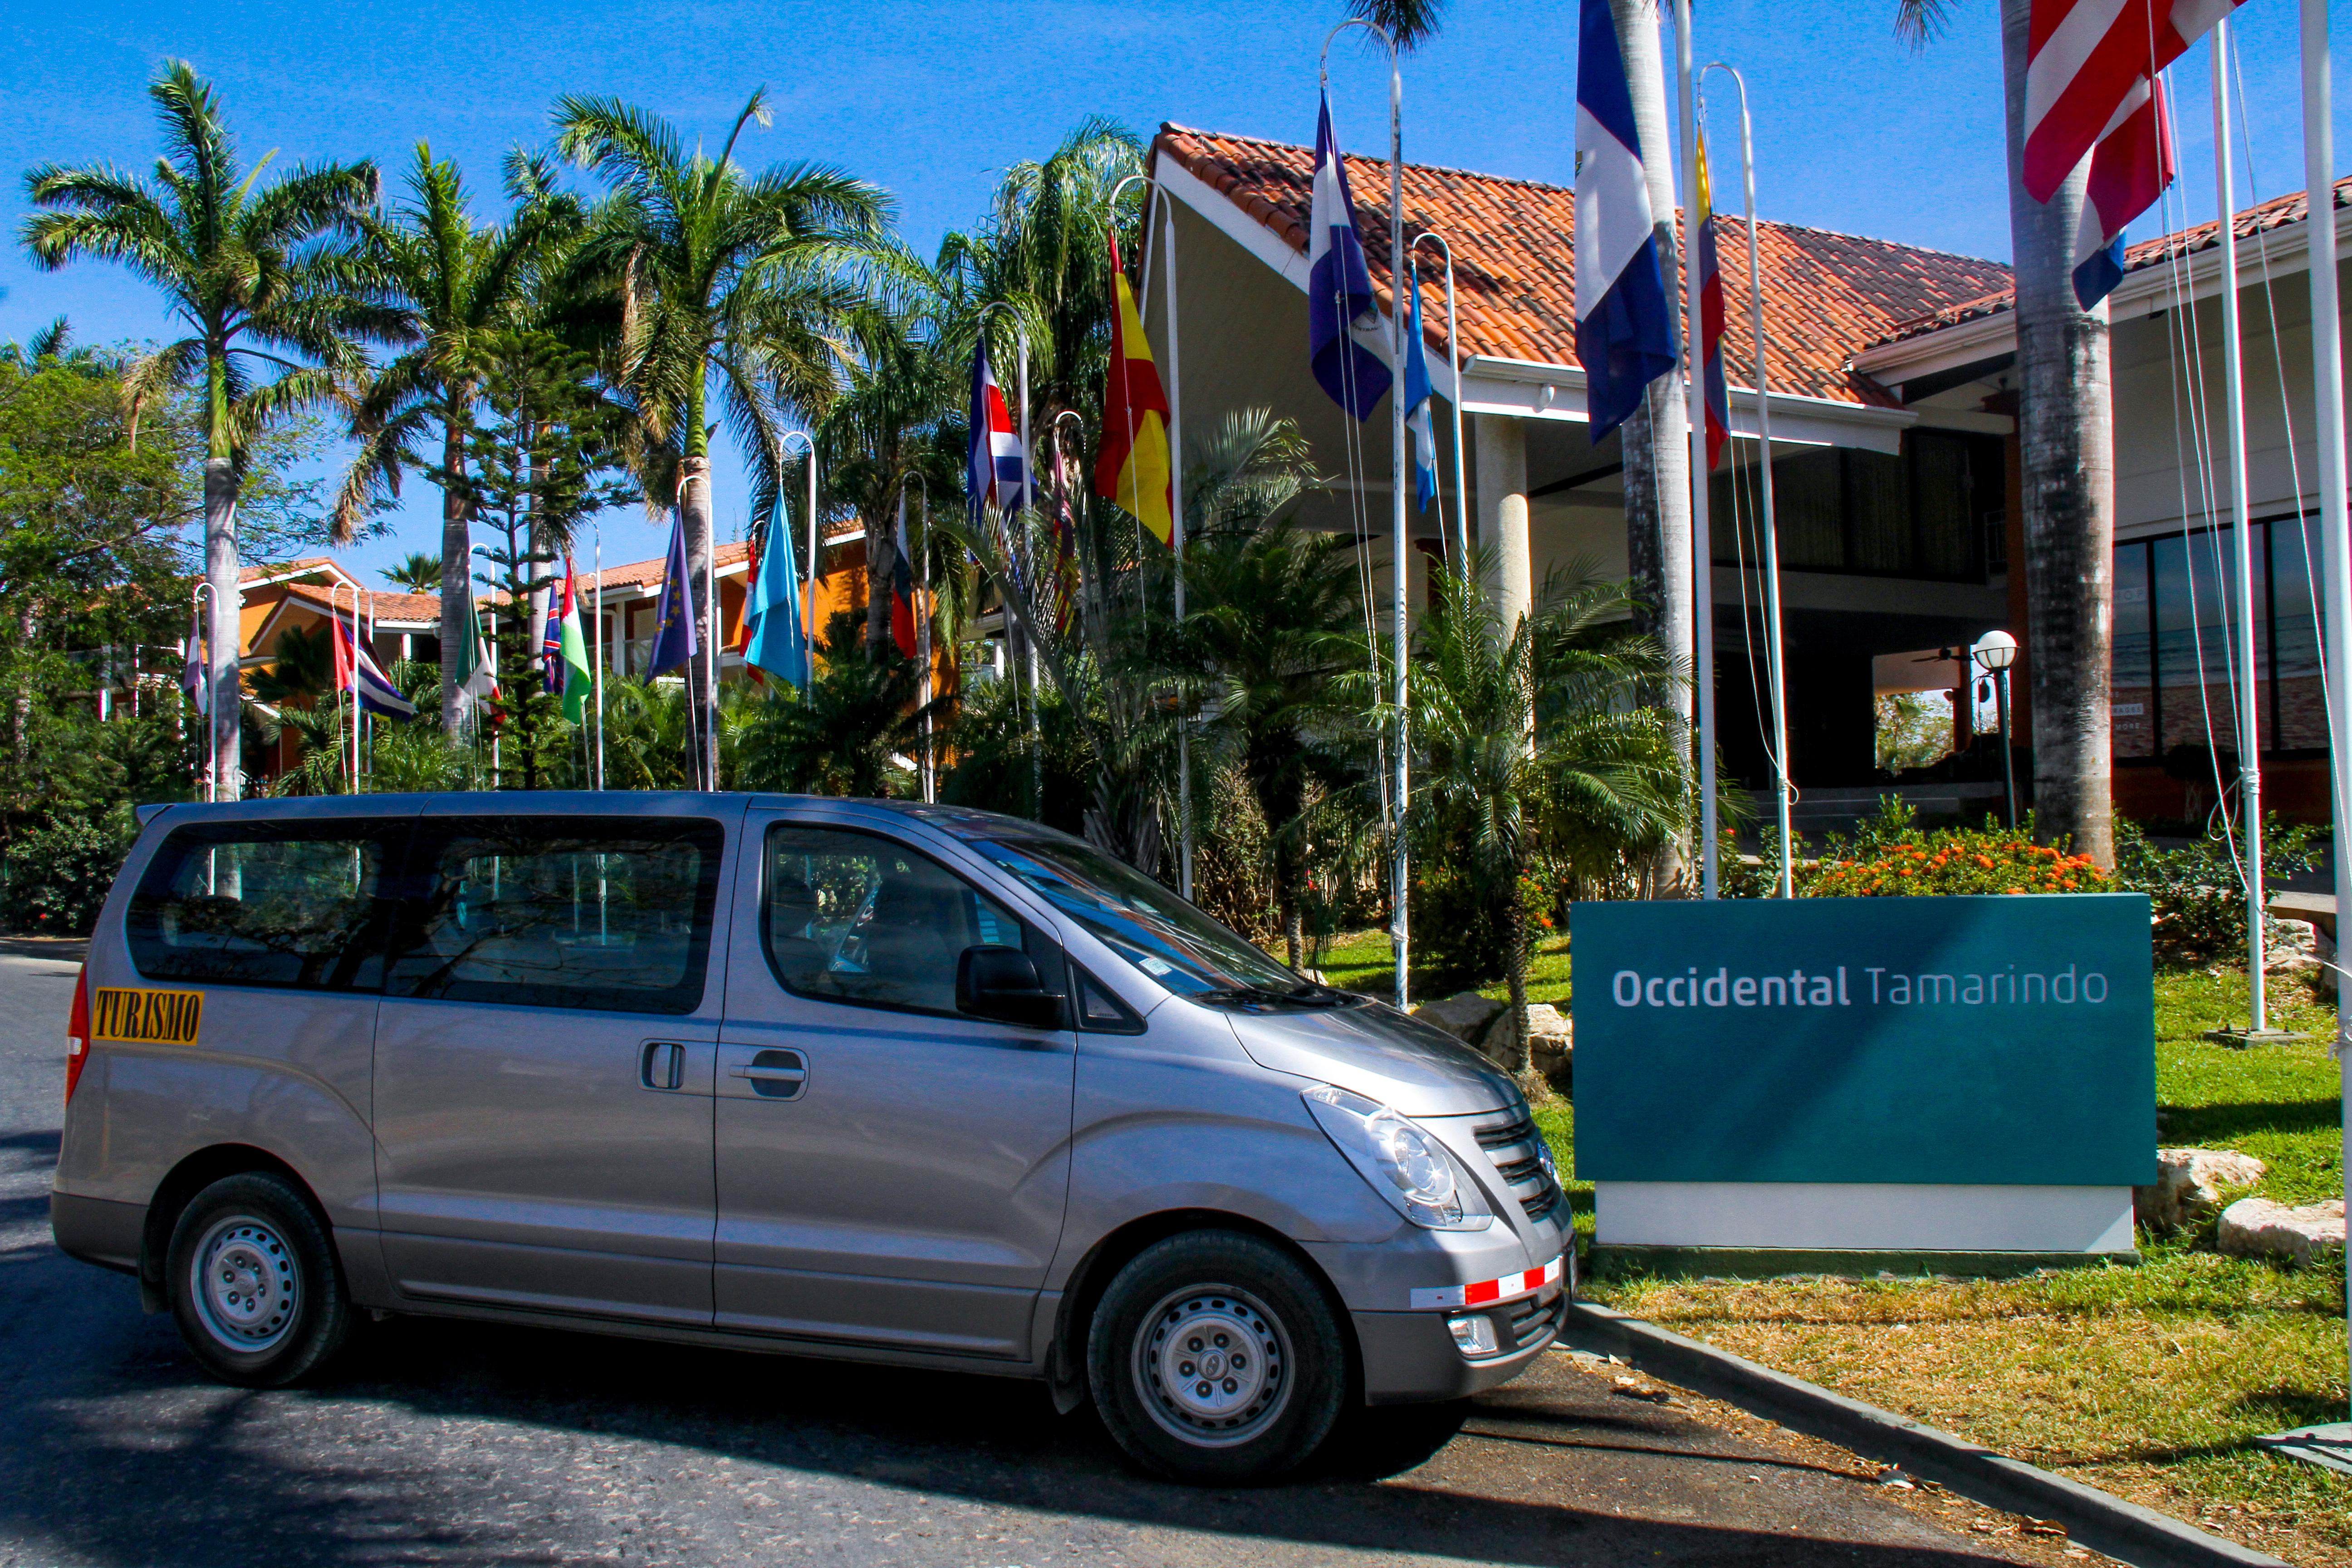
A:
1149	926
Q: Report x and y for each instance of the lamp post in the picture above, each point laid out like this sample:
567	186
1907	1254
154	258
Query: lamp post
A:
1995	652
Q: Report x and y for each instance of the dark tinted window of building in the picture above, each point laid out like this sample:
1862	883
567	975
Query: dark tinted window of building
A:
291	904
610	915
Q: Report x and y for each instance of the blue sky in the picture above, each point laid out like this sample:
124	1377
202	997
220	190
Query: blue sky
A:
932	100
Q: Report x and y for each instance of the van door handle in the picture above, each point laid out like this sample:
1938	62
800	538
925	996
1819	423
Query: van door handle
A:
773	1074
661	1065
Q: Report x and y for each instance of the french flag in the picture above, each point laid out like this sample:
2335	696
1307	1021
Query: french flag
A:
1339	287
2083	58
997	476
1625	334
356	673
2131	167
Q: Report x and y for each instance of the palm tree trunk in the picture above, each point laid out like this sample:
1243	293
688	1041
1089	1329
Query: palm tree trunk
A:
2066	439
694	509
1515	971
457	563
227	606
1656	440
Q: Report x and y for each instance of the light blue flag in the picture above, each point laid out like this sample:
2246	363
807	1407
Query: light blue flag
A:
773	638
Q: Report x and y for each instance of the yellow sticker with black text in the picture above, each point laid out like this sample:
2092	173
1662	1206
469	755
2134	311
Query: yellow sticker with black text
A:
146	1017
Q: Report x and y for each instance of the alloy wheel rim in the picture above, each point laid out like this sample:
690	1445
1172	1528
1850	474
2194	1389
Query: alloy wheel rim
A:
1212	1365
248	1288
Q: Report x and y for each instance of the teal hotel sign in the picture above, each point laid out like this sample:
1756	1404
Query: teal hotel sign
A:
1909	1075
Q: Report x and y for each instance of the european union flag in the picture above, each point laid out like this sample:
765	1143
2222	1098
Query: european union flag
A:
674	639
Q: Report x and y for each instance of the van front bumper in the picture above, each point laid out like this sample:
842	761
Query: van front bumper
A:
1411	1357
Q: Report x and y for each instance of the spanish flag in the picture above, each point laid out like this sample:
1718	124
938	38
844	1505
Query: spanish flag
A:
1133	467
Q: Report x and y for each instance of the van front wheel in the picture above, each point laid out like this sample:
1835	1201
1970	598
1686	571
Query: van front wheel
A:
254	1283
1214	1358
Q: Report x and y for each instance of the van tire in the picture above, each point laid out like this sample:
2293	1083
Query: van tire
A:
1214	1358
270	1305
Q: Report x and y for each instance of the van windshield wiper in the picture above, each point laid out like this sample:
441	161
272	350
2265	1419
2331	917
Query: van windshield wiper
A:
1305	994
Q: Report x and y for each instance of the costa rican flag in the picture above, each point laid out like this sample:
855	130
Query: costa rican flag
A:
2082	59
2130	168
997	476
1339	287
356	673
1625	334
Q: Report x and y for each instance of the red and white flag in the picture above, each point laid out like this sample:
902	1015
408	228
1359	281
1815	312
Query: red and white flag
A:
2130	168
2083	58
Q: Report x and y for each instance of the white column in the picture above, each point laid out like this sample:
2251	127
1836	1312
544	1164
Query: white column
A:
1502	455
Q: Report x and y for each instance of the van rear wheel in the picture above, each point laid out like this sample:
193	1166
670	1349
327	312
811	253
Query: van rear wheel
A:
1214	1358
254	1282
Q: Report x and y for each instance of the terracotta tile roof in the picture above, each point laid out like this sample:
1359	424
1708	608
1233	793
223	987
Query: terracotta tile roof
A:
2279	212
384	606
648	573
1827	297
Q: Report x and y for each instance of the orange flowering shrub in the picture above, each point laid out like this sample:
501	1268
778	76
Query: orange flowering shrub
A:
1956	860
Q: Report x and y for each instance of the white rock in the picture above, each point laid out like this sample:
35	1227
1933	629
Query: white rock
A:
2189	1183
1465	1016
2257	1228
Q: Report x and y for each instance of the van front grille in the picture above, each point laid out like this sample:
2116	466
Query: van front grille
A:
1512	1147
1534	1318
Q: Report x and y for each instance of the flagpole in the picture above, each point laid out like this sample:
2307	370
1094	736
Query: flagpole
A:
1702	544
808	615
204	651
1176	534
710	671
335	628
2327	368
1454	364
2250	754
600	652
1400	927
1028	574
1771	541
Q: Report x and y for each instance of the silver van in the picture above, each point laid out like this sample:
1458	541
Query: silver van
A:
877	1081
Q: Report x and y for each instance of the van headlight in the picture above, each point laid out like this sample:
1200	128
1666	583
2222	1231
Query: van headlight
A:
1402	1161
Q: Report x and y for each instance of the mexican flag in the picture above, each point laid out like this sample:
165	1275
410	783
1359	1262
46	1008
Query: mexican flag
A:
574	649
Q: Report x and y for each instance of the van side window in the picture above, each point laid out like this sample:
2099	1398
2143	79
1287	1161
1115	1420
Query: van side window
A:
607	914
297	904
850	917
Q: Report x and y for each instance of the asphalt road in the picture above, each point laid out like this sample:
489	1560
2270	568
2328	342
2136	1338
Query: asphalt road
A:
453	1444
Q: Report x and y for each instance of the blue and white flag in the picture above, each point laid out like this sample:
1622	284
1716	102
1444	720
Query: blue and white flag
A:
356	673
675	642
996	477
772	636
1419	408
1339	289
1625	335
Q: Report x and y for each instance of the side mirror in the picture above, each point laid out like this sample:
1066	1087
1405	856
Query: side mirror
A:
1001	982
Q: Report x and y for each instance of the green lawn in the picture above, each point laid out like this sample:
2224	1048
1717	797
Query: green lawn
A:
2147	1382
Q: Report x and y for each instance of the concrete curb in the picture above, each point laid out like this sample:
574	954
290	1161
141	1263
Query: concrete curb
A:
2097	1520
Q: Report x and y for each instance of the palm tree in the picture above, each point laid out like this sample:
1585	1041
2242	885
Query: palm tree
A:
456	284
727	282
841	735
2065	428
264	280
1532	733
1275	622
419	574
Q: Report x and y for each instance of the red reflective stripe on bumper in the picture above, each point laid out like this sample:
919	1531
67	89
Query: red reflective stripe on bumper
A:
1486	1293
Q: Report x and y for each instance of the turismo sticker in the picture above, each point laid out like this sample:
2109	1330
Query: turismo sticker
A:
146	1017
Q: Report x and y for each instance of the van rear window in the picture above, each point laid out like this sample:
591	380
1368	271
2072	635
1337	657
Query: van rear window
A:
297	904
609	915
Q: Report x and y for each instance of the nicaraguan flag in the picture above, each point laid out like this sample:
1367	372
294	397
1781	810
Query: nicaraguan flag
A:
1419	408
2131	167
1339	289
774	639
356	673
1625	334
675	642
996	475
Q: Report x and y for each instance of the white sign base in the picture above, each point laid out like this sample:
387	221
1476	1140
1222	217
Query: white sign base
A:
1846	1218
